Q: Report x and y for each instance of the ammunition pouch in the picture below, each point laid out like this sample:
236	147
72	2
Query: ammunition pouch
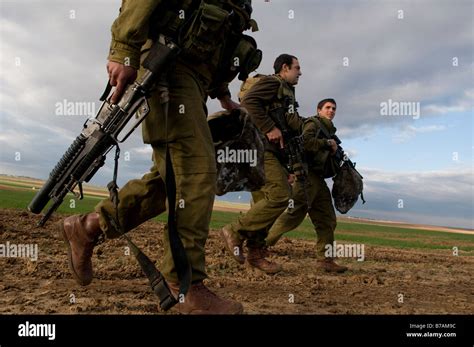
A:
205	28
331	166
324	164
208	26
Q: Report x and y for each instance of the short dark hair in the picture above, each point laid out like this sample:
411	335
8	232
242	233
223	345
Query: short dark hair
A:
283	59
324	101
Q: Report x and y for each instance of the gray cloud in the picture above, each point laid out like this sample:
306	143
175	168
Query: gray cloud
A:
409	131
403	60
437	198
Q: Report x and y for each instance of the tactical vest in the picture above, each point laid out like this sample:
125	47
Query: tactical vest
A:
321	161
283	105
203	28
285	96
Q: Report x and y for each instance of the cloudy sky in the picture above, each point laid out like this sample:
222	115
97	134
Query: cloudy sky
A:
417	167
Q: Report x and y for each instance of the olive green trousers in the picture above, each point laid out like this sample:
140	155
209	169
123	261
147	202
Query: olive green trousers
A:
321	211
192	155
269	203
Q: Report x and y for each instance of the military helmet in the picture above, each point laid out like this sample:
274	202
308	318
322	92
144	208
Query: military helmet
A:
347	187
233	132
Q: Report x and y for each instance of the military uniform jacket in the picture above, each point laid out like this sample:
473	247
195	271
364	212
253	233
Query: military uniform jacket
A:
315	144
134	26
265	95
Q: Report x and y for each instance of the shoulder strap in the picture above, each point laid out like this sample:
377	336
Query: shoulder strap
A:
321	126
281	92
248	84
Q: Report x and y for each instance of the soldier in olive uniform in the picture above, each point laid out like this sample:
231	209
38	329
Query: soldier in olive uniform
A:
321	210
193	77
268	94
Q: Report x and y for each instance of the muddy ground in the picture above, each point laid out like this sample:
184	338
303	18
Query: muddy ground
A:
428	282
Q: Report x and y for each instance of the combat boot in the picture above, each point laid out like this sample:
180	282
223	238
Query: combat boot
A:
256	258
81	233
233	244
200	300
329	265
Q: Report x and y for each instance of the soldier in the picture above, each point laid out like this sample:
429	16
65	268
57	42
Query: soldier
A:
268	94
192	78
320	209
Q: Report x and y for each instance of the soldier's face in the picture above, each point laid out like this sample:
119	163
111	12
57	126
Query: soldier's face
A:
328	111
293	73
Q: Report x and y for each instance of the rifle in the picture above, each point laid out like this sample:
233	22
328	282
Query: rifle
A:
99	135
88	152
293	151
340	156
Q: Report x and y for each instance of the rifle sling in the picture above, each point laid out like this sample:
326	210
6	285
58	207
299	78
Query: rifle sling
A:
322	127
180	259
183	269
106	92
155	278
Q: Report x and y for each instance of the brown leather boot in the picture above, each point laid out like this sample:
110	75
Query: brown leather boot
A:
329	265
233	244
256	258
81	233
268	252
200	300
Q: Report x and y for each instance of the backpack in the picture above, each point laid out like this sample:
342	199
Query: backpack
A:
249	83
347	187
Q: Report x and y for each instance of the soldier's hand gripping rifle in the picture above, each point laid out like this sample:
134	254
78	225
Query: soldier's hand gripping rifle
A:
100	134
293	151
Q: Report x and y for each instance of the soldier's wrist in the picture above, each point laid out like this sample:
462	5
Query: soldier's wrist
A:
124	54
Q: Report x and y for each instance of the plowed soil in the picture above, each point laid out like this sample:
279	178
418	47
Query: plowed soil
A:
389	281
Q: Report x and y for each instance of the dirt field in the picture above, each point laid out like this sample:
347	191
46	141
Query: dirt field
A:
430	281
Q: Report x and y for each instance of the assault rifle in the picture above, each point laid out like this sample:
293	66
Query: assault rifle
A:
340	156
293	151
87	153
